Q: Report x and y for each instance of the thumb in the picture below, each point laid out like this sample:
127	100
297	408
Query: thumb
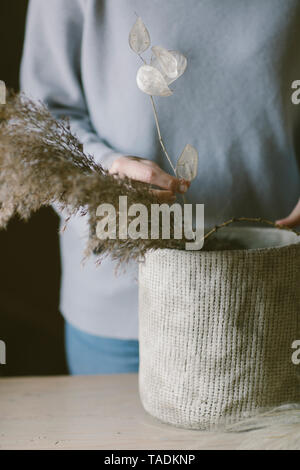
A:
293	219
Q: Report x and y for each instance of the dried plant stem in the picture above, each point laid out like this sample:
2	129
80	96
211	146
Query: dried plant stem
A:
248	219
162	143
159	133
158	126
160	137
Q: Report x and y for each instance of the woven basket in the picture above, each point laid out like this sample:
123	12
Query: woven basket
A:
216	329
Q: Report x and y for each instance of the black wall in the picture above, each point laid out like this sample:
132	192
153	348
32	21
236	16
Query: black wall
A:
30	323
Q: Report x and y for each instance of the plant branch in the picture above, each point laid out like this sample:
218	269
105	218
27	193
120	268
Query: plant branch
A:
159	135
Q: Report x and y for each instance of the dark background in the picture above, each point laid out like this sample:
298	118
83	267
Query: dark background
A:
30	323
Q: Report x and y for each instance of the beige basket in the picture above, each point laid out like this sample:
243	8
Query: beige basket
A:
217	327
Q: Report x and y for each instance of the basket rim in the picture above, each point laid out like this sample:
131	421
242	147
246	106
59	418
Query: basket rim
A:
233	252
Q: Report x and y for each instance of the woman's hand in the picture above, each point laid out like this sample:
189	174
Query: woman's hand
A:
293	219
149	172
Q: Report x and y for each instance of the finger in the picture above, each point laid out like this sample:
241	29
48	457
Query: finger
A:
153	174
148	172
183	186
166	181
164	196
293	219
132	168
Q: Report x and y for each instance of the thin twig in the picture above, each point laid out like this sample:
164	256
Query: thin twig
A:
160	137
158	127
159	133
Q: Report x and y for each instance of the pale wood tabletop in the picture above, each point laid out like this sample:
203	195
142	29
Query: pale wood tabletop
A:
104	412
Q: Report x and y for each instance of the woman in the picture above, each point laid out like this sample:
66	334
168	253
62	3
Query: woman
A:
233	104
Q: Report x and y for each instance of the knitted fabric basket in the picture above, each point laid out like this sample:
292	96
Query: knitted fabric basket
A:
217	327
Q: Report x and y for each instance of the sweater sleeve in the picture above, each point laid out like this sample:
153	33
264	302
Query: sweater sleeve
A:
51	72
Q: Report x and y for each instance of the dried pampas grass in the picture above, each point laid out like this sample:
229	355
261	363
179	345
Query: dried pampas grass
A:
276	429
43	163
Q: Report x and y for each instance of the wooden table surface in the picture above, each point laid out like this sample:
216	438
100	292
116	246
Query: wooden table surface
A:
104	412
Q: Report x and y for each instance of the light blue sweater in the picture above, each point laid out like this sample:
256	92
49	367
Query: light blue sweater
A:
233	104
